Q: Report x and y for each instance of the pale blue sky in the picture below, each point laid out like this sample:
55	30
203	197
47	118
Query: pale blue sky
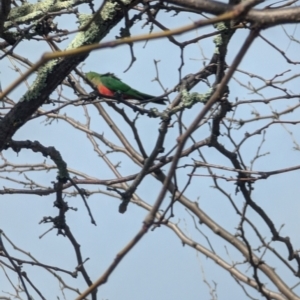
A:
159	267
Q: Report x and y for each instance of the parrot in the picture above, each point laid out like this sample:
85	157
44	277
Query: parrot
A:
108	84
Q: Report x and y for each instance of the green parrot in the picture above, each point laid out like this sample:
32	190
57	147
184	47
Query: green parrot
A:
108	84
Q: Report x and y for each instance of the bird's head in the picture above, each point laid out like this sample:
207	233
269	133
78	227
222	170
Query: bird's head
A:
93	77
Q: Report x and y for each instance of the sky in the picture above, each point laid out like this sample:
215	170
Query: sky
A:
159	267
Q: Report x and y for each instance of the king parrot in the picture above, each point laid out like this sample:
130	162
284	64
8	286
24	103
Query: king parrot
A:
108	84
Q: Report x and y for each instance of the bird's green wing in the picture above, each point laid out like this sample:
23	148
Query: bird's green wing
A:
114	84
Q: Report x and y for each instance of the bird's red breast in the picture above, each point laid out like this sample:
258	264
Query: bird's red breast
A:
105	91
